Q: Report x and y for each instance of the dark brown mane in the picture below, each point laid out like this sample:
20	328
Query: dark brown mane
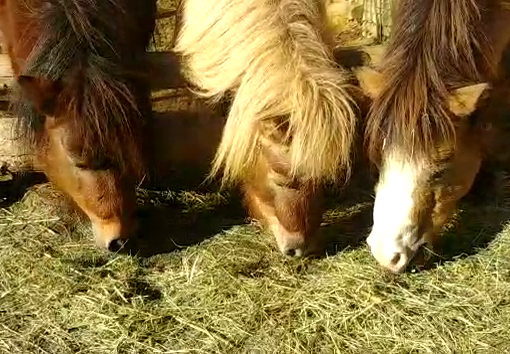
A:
96	50
437	46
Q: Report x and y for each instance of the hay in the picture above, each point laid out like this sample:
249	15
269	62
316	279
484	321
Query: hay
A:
222	287
232	292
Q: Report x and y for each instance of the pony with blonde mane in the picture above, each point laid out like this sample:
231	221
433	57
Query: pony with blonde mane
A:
433	116
292	122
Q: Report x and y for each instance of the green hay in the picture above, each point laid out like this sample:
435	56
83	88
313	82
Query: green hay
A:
226	289
234	292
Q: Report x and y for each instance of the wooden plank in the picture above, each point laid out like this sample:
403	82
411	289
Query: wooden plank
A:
6	74
178	137
164	72
166	14
10	155
164	68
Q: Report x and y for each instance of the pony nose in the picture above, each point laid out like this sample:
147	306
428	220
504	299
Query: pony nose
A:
293	252
292	246
113	235
397	262
116	245
393	258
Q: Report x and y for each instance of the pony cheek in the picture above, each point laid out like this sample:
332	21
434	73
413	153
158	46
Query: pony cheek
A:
443	211
456	190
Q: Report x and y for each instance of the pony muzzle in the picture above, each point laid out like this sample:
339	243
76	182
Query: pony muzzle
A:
391	255
112	234
290	243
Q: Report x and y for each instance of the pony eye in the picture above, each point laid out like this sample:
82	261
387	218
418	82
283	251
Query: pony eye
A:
81	166
437	174
443	158
95	165
441	167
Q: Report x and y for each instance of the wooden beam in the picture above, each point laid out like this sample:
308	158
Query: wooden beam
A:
6	74
164	68
166	14
178	137
164	72
10	154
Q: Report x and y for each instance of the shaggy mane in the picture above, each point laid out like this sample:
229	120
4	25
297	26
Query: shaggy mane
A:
96	48
276	59
437	46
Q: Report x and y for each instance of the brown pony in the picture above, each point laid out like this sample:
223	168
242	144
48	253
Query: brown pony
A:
292	123
83	99
431	122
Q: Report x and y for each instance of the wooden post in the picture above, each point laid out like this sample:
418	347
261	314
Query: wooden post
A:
6	74
166	14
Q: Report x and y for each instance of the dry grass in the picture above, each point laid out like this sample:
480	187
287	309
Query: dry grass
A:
234	293
220	285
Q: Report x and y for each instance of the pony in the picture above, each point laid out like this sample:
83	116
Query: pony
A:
434	113
83	99
293	118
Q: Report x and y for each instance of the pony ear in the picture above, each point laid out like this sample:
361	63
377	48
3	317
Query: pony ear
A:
41	92
370	81
463	101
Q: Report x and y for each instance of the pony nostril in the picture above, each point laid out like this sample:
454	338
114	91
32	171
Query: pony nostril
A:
293	252
395	259
398	262
116	245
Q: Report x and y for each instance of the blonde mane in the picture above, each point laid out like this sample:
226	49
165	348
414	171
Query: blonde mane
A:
273	55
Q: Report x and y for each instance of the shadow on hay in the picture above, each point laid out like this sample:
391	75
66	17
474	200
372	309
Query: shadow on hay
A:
170	226
485	212
177	209
348	217
14	185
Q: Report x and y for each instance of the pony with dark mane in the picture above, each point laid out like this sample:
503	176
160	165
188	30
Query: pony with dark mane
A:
292	123
83	99
432	117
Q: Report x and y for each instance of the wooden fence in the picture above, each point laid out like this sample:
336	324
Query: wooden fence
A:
164	74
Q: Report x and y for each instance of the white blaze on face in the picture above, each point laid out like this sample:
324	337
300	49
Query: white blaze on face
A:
392	240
